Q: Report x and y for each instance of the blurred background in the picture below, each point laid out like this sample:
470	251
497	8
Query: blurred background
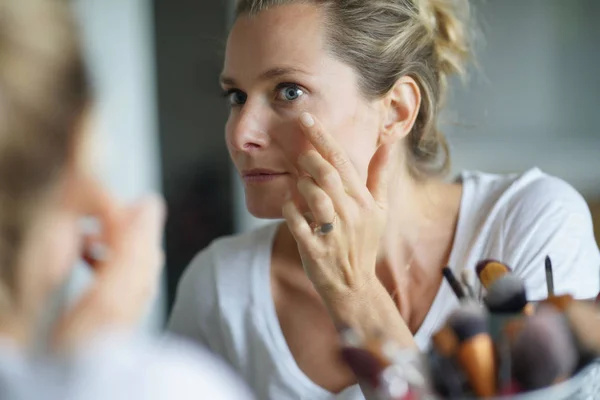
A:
533	101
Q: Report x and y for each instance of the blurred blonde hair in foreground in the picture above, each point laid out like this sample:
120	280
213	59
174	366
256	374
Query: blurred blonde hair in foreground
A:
45	187
43	95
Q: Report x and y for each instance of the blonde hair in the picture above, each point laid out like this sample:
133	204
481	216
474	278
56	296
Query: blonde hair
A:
384	40
43	92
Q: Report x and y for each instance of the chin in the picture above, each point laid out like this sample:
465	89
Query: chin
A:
264	207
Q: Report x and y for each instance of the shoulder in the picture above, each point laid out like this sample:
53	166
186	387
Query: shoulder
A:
514	198
229	255
536	192
541	215
539	207
217	281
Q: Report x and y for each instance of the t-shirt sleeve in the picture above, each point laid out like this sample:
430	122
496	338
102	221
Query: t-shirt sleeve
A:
548	217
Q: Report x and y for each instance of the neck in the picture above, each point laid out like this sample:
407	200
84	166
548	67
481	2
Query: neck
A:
421	222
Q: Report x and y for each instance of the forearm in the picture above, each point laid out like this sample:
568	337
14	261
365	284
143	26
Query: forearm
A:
368	311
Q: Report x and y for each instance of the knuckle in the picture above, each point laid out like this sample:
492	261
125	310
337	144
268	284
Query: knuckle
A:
303	183
363	202
321	203
319	136
329	177
338	159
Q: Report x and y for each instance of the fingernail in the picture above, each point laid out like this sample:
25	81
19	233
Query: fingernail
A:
307	119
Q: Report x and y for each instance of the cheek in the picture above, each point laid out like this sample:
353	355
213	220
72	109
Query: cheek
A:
289	137
229	126
357	135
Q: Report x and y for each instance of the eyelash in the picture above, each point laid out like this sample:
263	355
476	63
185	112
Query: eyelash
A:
285	85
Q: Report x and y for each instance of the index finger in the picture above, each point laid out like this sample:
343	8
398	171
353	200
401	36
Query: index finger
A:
329	148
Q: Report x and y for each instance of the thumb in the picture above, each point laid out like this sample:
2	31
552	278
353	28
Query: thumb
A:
148	219
136	259
380	170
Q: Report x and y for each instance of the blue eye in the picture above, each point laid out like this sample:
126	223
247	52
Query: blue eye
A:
289	92
236	97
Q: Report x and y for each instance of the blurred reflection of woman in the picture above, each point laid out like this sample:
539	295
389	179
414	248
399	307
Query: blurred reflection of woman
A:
46	186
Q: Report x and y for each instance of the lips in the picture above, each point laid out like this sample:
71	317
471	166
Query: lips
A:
260	175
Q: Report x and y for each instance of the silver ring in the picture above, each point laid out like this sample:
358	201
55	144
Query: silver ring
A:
324	229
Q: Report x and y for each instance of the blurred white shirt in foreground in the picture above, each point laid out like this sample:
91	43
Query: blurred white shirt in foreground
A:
120	367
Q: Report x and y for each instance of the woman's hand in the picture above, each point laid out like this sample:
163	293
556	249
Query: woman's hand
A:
339	246
340	262
126	278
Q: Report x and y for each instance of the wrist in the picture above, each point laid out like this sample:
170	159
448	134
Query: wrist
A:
350	307
349	296
369	310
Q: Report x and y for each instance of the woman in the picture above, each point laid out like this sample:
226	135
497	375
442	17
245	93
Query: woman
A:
332	125
46	186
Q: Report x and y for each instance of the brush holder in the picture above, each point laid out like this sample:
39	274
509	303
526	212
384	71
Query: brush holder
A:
585	385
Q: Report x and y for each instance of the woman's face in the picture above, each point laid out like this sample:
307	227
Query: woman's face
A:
276	67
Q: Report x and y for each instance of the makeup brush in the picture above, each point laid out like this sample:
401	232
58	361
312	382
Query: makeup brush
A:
507	295
506	300
560	302
447	378
543	352
366	366
549	276
584	320
454	283
363	356
490	270
445	341
466	277
475	352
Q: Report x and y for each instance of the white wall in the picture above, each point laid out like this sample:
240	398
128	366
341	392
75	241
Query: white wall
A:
535	99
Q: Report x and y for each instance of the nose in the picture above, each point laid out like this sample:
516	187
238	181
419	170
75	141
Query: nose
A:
246	129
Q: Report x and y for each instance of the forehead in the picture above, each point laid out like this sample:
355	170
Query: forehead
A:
290	35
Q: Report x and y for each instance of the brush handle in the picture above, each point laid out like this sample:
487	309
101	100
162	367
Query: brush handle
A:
498	322
549	277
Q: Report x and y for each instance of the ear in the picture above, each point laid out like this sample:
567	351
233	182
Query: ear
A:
401	107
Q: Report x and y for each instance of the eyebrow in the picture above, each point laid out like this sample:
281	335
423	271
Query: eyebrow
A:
265	76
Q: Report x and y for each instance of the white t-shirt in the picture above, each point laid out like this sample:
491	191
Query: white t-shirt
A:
224	299
120	367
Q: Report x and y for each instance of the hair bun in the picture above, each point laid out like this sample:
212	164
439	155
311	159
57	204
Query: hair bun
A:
447	22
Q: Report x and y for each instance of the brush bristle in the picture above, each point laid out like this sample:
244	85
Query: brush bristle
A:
468	321
448	379
543	351
445	341
489	271
506	295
